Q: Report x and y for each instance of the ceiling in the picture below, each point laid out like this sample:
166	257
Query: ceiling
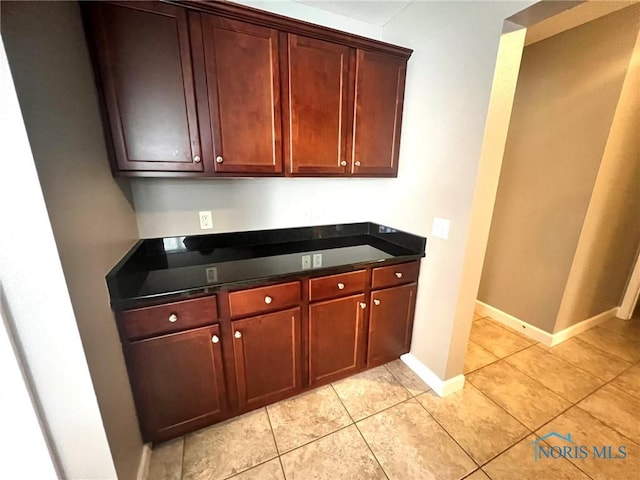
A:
373	12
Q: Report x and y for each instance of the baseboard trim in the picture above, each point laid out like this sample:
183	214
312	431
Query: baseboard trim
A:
145	460
537	334
441	387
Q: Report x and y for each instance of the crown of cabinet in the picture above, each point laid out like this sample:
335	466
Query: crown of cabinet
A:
212	89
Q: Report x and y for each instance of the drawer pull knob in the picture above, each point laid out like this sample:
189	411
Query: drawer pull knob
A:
343	163
215	339
268	299
399	274
376	301
173	318
340	286
219	159
363	305
357	163
196	159
238	334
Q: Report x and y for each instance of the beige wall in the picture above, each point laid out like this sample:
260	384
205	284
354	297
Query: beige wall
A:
610	236
567	93
92	217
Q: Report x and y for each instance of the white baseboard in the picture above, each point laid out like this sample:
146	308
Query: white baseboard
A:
441	387
145	460
537	334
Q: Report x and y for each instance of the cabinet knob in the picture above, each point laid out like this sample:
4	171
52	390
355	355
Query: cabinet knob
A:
357	164
343	163
196	159
363	305
376	301
238	334
173	318
340	286
219	159
268	299
399	274
215	339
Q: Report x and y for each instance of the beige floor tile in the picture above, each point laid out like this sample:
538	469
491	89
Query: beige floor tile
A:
477	357
528	401
271	470
629	381
591	359
407	377
481	427
477	316
498	340
614	342
518	462
587	431
409	444
369	392
228	448
626	328
343	455
166	460
565	379
616	409
477	475
306	417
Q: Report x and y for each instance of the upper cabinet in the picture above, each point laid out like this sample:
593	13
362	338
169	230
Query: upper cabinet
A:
143	56
242	74
377	113
216	89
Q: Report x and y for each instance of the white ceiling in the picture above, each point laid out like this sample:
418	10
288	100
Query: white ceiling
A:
374	12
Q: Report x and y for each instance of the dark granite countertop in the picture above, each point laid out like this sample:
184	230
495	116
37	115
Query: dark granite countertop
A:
174	268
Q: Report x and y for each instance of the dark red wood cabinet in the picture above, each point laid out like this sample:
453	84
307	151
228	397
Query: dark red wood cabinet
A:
267	352
178	382
390	323
143	55
217	89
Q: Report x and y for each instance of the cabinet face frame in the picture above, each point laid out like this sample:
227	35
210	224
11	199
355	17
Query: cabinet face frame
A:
95	14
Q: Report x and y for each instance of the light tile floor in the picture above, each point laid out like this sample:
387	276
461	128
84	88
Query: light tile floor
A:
386	424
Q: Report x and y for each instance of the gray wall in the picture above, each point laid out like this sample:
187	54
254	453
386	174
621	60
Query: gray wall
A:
567	93
91	215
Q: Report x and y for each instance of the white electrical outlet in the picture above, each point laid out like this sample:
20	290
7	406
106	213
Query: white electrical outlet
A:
206	222
306	262
440	228
317	260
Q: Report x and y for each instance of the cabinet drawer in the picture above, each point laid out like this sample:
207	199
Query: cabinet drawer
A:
395	274
263	299
169	318
337	285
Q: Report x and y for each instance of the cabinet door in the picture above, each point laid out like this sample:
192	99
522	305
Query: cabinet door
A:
335	332
390	323
316	123
243	78
267	356
377	113
179	382
143	53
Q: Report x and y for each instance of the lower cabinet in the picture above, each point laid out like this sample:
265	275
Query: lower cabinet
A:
335	338
390	323
267	351
178	382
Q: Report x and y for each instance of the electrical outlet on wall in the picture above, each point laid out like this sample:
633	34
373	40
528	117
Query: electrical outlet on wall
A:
440	228
206	221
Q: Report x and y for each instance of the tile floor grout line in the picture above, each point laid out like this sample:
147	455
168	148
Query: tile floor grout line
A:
371	450
449	434
184	449
275	442
402	384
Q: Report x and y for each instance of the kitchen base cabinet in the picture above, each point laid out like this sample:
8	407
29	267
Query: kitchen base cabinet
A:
335	333
178	382
390	323
267	353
